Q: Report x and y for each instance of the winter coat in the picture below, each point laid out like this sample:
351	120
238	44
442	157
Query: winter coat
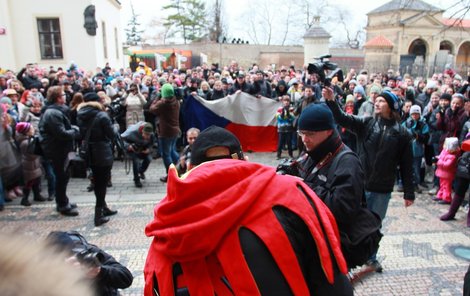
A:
8	158
102	132
56	133
31	163
167	110
133	136
217	94
451	124
446	165
285	120
245	87
134	108
382	145
420	132
435	134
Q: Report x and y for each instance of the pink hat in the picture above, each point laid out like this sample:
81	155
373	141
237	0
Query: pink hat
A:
23	127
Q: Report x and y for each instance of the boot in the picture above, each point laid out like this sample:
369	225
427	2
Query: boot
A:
100	219
107	211
37	194
454	206
468	219
24	201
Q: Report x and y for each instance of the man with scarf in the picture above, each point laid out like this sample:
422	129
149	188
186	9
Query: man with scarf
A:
335	174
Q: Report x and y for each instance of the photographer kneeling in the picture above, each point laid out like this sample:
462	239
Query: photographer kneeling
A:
335	173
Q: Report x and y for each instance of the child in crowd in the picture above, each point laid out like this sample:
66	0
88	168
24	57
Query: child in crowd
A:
420	132
185	155
462	181
31	164
446	168
285	126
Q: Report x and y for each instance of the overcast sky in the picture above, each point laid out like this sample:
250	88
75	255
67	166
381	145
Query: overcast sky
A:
234	10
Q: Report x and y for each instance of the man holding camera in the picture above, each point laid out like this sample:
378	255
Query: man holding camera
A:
335	174
138	140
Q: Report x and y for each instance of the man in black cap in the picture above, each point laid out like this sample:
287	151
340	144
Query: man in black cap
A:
241	85
259	235
335	173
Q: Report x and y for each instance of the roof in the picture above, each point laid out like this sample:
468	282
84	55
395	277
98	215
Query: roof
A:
406	5
456	23
317	32
379	41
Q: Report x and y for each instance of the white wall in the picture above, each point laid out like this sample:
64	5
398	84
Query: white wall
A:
85	50
7	54
108	11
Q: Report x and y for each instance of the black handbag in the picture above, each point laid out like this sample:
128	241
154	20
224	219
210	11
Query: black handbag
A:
84	149
34	146
463	166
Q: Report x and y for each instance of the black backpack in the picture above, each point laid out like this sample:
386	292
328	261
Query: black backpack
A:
363	240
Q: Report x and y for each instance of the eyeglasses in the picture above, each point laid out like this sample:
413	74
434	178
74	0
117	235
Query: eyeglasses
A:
306	134
63	95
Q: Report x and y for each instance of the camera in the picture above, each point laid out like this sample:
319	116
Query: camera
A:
87	257
288	167
324	65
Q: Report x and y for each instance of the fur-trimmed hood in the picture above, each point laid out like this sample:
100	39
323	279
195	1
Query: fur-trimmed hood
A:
95	105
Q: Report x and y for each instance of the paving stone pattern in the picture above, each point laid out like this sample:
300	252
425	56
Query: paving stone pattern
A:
415	251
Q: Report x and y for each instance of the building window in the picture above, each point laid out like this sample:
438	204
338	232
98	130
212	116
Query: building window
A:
117	42
105	45
50	41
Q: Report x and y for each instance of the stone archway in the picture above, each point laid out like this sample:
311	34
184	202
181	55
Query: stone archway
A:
463	55
447	45
418	48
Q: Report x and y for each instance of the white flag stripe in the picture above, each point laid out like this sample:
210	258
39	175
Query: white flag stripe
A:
244	109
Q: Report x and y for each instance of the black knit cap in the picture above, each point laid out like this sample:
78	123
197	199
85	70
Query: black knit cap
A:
316	117
215	136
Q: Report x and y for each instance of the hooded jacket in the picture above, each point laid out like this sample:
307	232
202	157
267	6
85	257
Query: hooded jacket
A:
102	132
250	232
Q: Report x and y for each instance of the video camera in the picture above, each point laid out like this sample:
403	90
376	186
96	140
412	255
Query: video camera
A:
87	256
324	65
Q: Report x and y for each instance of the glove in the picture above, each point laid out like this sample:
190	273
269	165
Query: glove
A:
76	130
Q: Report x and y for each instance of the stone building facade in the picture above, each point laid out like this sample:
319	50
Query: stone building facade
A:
414	37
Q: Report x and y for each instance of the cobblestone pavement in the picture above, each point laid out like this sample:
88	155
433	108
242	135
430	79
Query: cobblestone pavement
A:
416	251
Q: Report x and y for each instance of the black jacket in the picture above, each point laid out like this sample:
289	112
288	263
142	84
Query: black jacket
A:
382	145
343	192
113	275
245	87
56	132
102	132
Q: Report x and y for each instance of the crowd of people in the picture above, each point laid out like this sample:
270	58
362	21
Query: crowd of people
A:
391	130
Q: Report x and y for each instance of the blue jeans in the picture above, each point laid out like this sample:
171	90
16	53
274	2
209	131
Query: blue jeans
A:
284	138
50	176
138	167
378	202
169	153
417	170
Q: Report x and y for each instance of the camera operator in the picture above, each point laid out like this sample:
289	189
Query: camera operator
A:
138	140
335	173
107	274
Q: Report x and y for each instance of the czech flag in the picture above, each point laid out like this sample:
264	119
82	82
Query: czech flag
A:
251	119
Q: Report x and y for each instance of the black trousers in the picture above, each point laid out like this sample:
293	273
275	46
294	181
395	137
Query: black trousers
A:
101	176
62	179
